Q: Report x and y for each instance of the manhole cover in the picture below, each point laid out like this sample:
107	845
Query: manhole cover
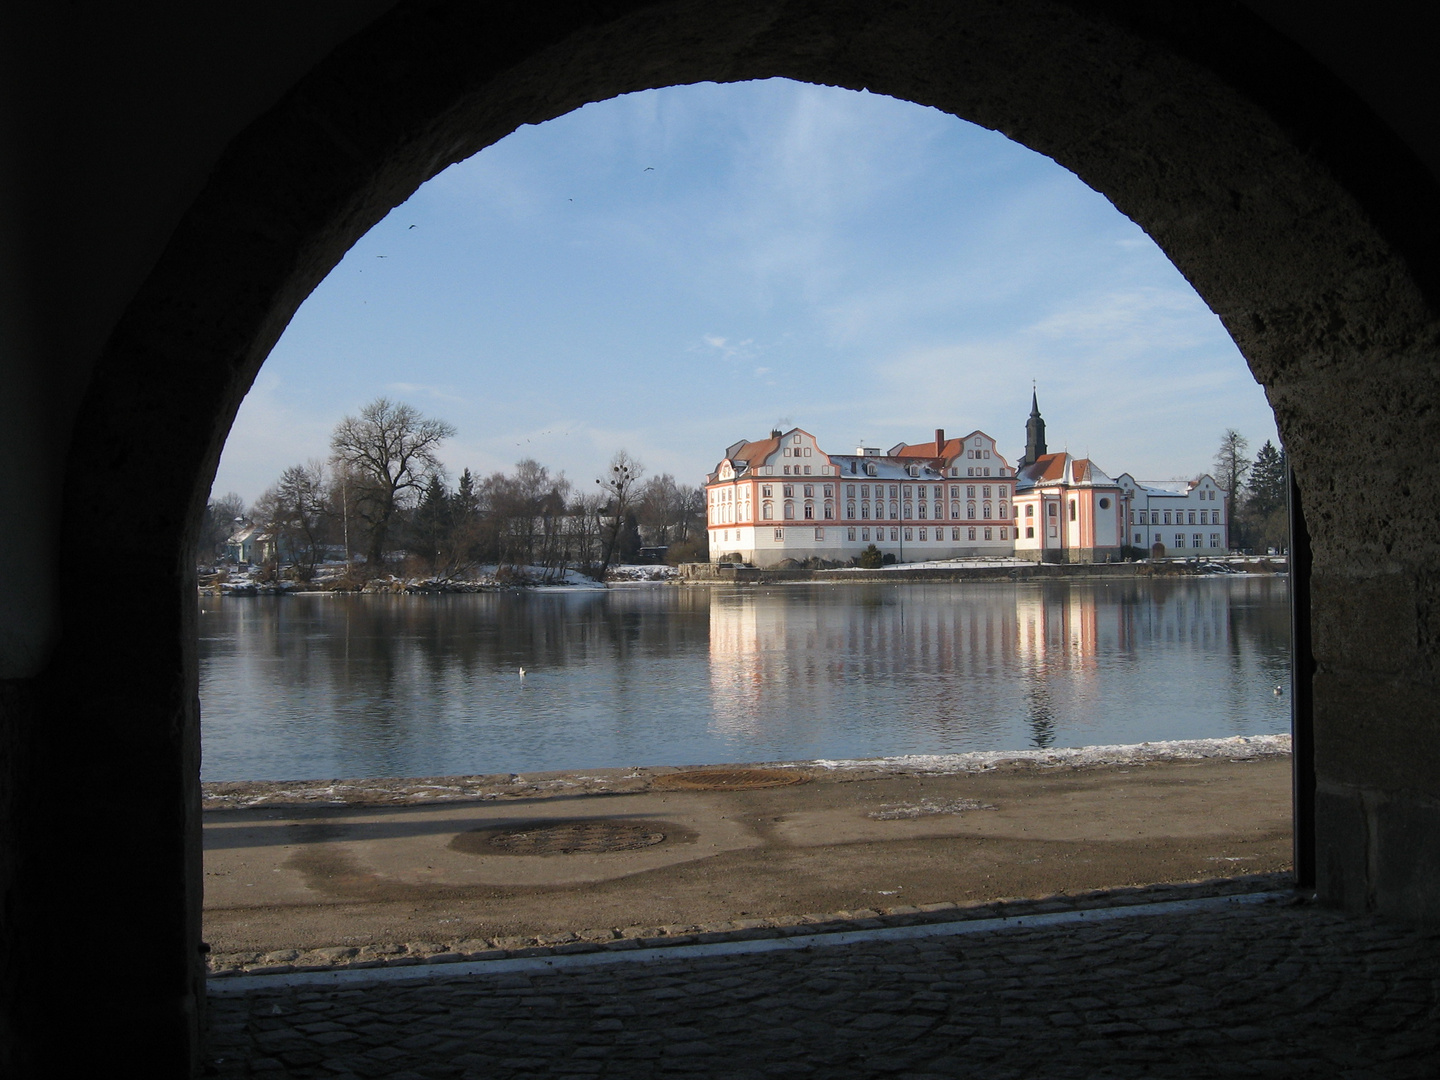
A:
727	779
562	838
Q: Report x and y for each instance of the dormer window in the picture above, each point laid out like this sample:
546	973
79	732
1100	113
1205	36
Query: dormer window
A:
870	469
914	470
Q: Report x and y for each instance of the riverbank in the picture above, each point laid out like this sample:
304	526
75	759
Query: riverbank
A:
962	570
368	872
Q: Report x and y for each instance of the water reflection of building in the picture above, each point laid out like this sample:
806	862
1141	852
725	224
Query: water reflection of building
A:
923	664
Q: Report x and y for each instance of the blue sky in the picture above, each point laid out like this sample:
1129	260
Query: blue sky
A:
674	270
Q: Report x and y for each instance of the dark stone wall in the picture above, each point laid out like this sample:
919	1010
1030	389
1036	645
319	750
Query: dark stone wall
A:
1305	221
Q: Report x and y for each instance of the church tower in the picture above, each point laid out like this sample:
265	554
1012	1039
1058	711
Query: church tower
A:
1034	435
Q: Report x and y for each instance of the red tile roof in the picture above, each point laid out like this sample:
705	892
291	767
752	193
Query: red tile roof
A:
756	452
926	450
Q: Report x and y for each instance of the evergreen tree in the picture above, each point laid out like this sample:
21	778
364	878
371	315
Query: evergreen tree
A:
1265	516
1268	481
432	522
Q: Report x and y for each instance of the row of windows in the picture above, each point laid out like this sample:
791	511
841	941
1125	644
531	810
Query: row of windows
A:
1137	517
970	533
1196	540
767	491
919	491
923	511
863	534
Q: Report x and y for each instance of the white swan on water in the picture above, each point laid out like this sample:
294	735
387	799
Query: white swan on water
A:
522	672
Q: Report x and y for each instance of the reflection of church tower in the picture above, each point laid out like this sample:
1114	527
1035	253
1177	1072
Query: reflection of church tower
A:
1034	435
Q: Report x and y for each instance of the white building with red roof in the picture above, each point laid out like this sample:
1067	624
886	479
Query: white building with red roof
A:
1067	509
784	498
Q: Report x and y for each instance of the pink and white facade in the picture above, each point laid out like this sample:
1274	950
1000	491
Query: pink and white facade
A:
785	498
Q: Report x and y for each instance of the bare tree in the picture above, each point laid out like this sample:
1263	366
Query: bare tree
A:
619	491
222	517
389	451
296	513
1232	464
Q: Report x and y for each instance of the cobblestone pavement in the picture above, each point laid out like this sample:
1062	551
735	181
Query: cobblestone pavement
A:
1252	990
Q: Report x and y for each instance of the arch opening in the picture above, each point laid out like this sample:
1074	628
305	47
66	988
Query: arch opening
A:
1304	223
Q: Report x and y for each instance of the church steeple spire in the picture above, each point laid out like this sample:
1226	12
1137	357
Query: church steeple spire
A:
1034	433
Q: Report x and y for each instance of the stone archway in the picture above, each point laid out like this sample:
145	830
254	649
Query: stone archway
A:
1303	224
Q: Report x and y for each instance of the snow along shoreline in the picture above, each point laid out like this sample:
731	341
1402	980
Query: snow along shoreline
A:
411	791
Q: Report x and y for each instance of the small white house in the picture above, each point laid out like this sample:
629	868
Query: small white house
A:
1188	517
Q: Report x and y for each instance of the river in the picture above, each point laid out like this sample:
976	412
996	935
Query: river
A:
320	686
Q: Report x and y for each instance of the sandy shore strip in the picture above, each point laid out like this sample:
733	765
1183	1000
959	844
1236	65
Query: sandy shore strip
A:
241	794
424	871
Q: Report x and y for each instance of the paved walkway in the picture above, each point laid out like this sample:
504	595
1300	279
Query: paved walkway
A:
1243	989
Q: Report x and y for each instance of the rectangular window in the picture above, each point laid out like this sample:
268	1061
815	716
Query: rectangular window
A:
1139	539
807	451
909	534
954	534
787	451
850	490
809	491
787	470
1214	539
923	535
894	534
807	470
864	534
767	491
985	491
1154	517
1167	517
789	491
1004	534
1195	540
850	534
1190	518
829	491
779	534
972	532
1179	540
987	535
922	511
819	534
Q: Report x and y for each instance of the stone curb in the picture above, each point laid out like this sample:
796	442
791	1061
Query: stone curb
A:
412	954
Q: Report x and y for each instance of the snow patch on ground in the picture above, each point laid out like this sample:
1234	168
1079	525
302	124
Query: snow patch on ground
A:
1235	748
926	808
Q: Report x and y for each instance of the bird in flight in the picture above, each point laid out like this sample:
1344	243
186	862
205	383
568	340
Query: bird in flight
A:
649	168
